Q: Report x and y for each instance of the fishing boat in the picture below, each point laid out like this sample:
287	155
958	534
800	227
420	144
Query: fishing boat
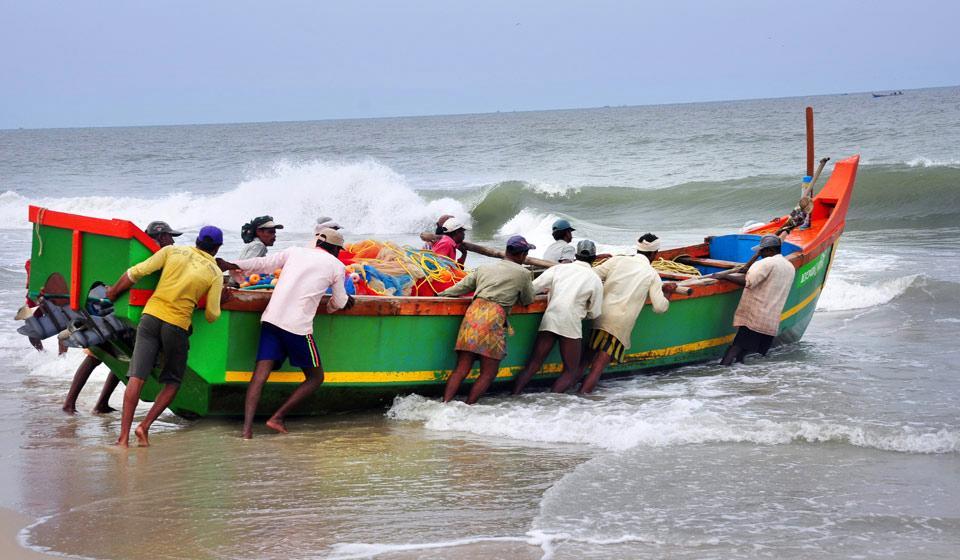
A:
389	346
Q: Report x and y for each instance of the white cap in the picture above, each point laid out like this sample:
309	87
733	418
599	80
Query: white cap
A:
453	224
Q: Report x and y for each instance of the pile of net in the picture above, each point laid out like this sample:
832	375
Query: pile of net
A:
382	268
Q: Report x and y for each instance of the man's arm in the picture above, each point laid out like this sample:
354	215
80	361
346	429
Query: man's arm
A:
463	287
212	311
596	301
527	293
268	263
339	298
136	272
544	281
659	301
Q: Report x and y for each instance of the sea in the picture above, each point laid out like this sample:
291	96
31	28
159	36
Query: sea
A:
844	445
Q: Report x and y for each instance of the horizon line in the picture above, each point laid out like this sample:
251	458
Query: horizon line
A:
478	113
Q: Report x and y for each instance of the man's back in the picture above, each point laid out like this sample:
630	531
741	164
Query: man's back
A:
575	293
768	284
187	275
627	282
307	274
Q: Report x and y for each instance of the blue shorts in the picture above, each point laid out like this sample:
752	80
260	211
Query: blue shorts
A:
277	344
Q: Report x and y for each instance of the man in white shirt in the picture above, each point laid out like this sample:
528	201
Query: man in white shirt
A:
766	284
627	282
575	293
561	250
262	233
286	329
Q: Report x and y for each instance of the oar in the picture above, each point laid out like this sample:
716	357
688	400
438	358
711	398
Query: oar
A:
487	251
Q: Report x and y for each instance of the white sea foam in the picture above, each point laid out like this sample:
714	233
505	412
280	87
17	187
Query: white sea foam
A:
534	226
618	425
365	197
921	161
349	551
841	295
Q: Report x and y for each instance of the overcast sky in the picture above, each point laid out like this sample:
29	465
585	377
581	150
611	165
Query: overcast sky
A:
169	62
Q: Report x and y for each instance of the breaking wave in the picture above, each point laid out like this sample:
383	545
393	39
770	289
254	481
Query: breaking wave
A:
619	426
365	197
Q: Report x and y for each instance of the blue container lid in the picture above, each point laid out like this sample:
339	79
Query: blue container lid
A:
807	179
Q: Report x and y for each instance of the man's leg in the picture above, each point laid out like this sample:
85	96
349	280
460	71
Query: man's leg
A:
311	383
164	398
36	343
600	361
570	355
459	373
131	396
488	372
103	403
80	378
541	347
733	353
260	374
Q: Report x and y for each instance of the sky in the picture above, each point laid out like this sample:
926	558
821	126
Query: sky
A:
110	63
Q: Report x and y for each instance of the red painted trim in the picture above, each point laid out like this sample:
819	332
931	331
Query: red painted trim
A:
76	259
140	297
123	229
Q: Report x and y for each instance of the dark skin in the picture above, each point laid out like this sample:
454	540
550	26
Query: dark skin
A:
570	349
267	236
90	363
600	360
459	236
131	395
739	276
465	360
263	368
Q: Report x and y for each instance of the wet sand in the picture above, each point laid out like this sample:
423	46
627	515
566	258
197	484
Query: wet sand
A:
11	522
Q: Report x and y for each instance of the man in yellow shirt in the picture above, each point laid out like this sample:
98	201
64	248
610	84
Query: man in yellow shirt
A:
188	274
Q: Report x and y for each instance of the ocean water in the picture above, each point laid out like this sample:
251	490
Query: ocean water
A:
845	445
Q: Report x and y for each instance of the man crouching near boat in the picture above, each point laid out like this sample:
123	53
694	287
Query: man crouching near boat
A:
286	329
187	274
483	332
766	287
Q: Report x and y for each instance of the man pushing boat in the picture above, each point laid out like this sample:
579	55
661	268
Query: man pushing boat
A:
627	282
483	332
187	274
286	329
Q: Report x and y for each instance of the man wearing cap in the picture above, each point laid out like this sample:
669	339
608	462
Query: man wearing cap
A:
327	222
561	250
575	293
163	234
264	235
766	287
627	282
454	232
286	326
187	274
496	287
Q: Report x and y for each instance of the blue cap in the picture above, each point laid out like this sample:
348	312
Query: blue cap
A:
561	225
518	243
210	233
807	179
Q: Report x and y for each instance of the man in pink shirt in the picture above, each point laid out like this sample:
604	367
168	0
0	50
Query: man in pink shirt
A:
286	329
454	232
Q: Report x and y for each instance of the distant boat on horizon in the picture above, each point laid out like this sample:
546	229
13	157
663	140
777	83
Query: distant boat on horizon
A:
888	94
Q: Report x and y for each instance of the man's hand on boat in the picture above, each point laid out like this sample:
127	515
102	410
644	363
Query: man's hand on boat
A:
226	265
669	287
350	302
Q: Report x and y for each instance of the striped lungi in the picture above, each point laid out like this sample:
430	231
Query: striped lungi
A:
602	341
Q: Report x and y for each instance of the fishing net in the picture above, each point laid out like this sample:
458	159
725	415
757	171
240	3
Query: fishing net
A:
386	269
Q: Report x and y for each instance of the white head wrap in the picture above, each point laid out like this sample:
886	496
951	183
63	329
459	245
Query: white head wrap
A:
648	246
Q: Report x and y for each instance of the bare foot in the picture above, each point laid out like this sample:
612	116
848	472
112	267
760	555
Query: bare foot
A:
247	434
122	443
103	409
70	409
277	425
141	434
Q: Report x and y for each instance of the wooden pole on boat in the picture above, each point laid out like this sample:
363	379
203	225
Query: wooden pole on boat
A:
487	251
810	152
496	254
